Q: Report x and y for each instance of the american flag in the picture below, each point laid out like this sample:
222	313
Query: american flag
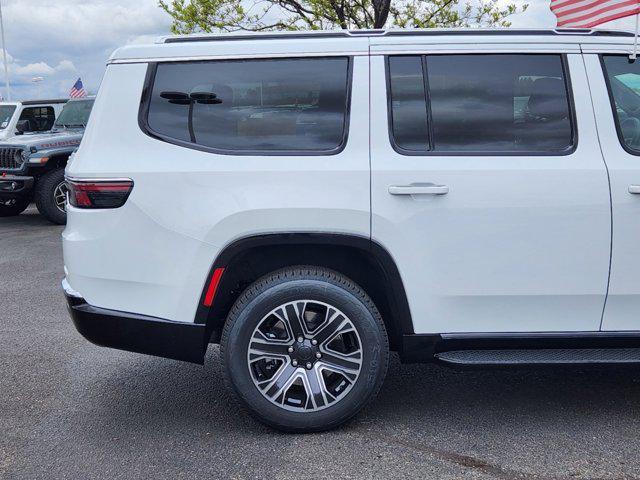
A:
589	13
77	90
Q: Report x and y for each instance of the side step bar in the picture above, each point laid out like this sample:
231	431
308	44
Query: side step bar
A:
518	349
546	356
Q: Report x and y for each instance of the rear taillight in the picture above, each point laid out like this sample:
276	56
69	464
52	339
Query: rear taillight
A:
99	193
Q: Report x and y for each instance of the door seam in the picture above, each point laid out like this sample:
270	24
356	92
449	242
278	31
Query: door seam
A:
604	161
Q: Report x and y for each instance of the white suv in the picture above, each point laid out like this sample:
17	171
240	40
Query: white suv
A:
312	201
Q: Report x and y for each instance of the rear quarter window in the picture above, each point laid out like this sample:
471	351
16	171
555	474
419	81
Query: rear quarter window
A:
273	106
623	82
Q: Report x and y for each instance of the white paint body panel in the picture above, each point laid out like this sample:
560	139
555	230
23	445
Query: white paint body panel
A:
519	244
623	303
152	255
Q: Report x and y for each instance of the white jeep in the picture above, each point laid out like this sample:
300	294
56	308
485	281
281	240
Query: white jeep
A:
313	201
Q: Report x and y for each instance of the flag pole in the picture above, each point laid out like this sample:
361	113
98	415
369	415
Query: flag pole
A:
633	56
4	55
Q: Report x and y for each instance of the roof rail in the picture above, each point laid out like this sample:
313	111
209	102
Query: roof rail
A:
217	37
38	102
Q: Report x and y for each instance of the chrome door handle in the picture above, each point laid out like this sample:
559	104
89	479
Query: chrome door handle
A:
634	189
419	189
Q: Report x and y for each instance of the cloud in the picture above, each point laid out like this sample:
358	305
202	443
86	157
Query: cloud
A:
62	40
65	66
31	69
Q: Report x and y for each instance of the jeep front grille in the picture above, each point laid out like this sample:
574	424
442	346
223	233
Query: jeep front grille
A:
10	158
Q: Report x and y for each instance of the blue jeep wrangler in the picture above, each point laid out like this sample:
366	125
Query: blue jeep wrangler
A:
32	164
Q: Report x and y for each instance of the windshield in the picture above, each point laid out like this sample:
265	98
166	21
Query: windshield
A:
6	112
75	114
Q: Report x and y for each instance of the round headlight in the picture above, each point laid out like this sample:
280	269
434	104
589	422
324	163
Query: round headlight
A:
25	155
19	157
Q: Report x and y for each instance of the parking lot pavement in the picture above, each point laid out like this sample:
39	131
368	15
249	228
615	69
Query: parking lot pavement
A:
72	410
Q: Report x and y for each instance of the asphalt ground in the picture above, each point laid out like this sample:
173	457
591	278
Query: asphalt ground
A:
72	410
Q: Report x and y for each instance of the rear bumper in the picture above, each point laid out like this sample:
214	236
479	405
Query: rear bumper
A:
136	333
12	186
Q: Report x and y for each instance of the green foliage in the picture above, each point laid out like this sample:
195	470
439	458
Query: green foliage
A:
255	15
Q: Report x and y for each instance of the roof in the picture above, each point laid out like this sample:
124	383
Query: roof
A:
416	32
335	42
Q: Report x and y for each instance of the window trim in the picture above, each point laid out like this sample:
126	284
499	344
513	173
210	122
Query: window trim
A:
145	102
612	103
479	153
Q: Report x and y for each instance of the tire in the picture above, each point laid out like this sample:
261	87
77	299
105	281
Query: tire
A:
16	207
45	196
346	365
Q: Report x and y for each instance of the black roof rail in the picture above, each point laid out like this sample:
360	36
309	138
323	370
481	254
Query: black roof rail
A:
38	102
394	33
612	33
254	36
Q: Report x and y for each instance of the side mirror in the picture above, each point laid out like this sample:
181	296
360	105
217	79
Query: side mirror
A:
22	126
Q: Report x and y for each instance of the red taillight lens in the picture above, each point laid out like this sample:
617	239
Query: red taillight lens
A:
99	193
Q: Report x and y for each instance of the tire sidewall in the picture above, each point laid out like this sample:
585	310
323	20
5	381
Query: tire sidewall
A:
373	362
45	200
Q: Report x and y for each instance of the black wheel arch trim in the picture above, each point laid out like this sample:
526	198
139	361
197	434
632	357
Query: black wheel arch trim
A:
211	317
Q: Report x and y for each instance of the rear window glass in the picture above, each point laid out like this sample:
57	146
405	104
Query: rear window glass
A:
288	105
39	119
480	103
623	77
409	108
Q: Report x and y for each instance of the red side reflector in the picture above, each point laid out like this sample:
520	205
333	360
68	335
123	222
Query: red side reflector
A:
99	193
213	286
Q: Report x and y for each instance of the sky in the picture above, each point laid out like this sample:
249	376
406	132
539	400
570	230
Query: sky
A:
62	40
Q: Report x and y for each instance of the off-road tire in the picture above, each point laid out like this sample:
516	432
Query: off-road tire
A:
45	199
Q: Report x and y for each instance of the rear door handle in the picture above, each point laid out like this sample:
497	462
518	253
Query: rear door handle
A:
419	189
634	189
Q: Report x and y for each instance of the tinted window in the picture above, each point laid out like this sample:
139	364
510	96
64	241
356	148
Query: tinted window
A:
409	110
496	103
253	105
75	113
40	118
623	77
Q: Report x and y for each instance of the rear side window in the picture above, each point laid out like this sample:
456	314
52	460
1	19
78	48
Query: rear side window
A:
40	118
623	78
482	104
250	106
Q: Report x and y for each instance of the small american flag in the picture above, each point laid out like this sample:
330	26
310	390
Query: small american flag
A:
589	13
77	90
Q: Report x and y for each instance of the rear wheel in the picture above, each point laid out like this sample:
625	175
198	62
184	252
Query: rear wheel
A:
51	196
305	349
14	206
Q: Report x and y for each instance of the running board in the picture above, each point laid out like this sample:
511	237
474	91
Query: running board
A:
544	356
545	348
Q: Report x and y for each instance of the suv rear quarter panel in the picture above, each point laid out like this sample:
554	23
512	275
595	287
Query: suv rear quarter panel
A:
152	256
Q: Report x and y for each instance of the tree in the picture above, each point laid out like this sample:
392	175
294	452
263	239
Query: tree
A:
257	15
